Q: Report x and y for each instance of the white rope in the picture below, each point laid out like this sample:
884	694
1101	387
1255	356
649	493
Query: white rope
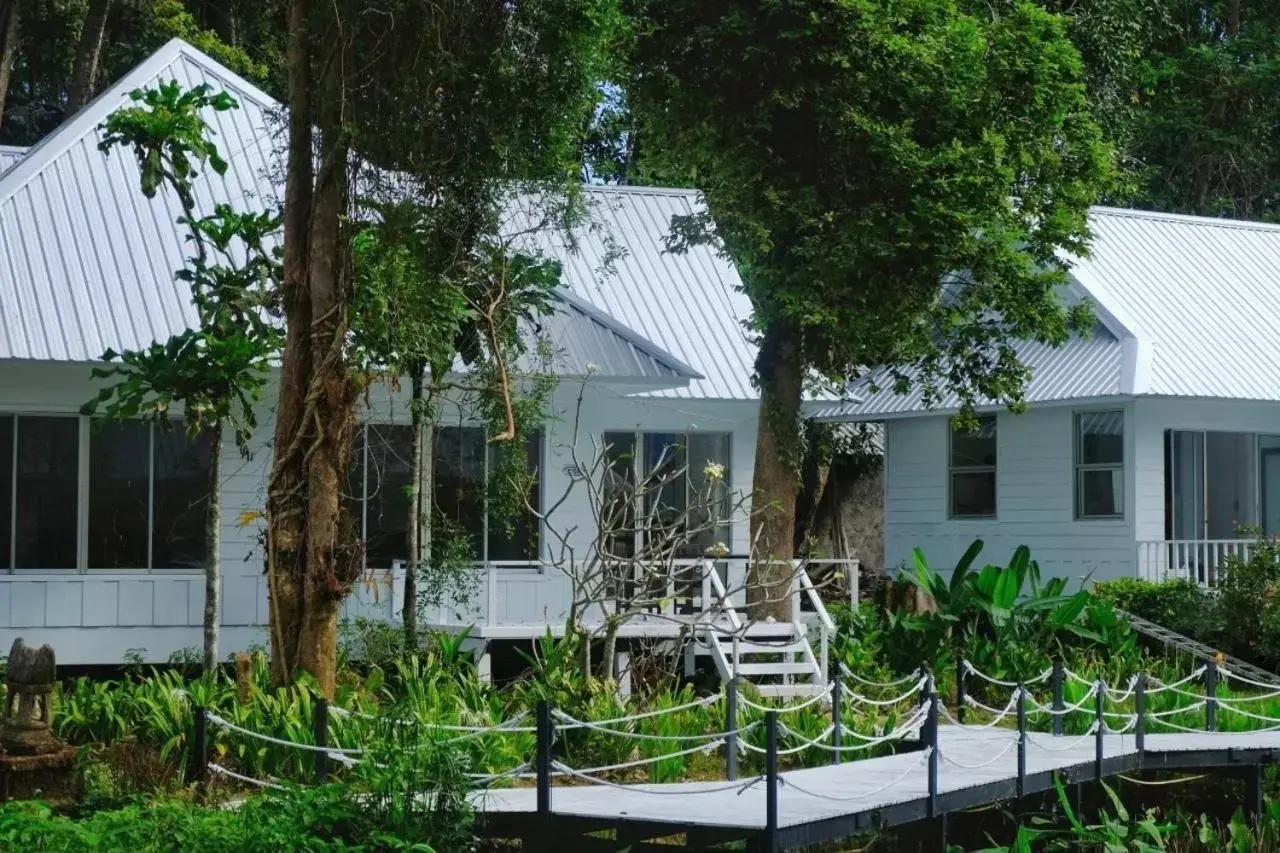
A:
1156	715
1129	726
1242	700
1264	685
248	780
698	703
818	697
597	727
219	721
909	726
999	755
1251	716
855	696
514	773
1000	715
1188	729
969	668
1131	687
506	727
638	789
1173	685
1038	743
1067	709
906	679
759	750
866	794
641	762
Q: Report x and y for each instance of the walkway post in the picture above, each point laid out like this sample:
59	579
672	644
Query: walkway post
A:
961	702
321	739
837	727
1099	722
929	735
1140	708
1059	705
198	768
1022	740
731	730
771	783
1211	694
542	760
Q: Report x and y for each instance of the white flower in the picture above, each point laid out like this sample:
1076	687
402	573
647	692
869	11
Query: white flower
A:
713	471
717	550
592	368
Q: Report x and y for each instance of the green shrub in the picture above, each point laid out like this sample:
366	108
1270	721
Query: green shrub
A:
1179	605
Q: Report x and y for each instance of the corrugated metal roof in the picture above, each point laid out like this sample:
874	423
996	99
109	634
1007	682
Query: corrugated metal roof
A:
86	262
1081	368
10	154
1201	295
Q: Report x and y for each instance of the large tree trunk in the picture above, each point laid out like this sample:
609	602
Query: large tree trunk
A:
213	551
781	374
416	520
10	18
312	565
85	70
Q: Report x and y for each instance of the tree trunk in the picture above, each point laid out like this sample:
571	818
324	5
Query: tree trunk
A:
85	71
213	551
10	33
221	15
409	610
781	374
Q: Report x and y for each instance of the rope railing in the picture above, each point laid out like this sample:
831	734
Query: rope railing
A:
858	698
906	679
787	709
969	669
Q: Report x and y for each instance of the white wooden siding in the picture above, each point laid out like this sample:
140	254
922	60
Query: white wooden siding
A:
95	616
1034	498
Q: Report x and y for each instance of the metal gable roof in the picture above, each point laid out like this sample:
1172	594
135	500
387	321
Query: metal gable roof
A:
10	154
86	262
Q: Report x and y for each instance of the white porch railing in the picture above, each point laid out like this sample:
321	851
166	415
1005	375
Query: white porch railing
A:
1201	561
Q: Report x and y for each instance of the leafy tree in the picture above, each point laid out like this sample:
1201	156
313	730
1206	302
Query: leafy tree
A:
856	154
216	371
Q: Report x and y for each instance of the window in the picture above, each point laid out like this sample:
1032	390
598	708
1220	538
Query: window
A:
45	487
671	469
1099	452
148	496
378	485
972	471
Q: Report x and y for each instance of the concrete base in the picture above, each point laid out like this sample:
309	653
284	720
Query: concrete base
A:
51	776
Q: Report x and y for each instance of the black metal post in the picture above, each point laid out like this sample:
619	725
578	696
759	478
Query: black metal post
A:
198	766
930	736
1253	791
771	842
545	735
1100	707
731	728
1022	740
1140	709
1211	694
961	703
322	739
837	726
1059	705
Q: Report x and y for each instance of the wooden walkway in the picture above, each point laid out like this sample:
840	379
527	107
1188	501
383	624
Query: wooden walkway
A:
976	767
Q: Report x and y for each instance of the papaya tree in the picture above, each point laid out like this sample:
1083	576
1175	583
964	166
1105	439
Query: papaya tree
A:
214	373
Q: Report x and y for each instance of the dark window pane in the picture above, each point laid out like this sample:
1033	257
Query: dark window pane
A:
666	480
1101	492
516	537
119	499
6	488
48	457
708	493
181	499
617	512
459	485
387	510
974	448
973	494
1101	438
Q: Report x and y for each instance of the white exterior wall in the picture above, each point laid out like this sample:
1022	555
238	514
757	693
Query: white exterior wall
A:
96	616
1035	497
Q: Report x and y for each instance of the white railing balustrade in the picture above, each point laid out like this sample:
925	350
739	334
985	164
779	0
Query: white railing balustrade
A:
1202	561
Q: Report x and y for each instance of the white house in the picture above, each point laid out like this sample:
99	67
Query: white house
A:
1147	445
100	530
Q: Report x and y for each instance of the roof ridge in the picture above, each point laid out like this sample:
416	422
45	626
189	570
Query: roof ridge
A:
1186	218
631	189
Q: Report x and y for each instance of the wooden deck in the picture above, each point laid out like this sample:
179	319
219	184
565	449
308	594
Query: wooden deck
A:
838	801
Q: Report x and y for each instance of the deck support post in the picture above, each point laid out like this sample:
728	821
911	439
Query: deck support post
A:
321	740
731	729
771	841
1099	722
1253	790
1059	705
1140	709
1022	741
837	726
484	663
545	735
929	737
961	702
198	770
1211	696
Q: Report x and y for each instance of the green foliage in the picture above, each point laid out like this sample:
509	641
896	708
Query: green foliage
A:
1245	618
1177	604
856	155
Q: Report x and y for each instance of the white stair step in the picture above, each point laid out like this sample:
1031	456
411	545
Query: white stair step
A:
748	648
788	691
777	669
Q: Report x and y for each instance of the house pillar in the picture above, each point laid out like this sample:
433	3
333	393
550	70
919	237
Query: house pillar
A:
484	663
622	673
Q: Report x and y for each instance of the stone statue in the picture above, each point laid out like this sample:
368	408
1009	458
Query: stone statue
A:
28	708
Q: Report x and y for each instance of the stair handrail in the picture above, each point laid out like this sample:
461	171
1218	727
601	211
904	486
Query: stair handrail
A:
820	609
713	586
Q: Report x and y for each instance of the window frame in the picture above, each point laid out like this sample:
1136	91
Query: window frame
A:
953	469
1079	468
482	559
638	472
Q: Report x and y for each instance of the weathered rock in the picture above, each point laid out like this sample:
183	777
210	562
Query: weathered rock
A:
26	728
